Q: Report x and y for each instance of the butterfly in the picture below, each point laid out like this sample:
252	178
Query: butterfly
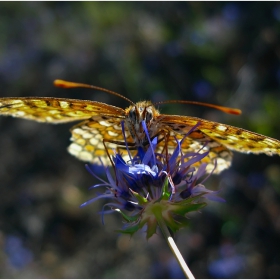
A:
101	124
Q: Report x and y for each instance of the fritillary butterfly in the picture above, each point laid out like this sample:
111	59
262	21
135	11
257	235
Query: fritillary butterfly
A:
103	122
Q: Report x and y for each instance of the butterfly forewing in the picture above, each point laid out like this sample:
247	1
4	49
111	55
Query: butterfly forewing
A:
56	110
222	135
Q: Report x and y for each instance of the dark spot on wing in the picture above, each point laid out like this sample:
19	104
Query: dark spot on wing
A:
221	137
251	146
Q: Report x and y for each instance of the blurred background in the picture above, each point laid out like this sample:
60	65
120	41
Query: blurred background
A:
225	53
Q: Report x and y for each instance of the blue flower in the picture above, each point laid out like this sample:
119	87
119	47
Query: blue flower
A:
153	186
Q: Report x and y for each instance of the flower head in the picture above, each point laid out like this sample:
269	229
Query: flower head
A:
156	186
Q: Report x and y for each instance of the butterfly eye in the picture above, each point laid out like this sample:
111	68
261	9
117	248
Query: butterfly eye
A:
149	116
132	115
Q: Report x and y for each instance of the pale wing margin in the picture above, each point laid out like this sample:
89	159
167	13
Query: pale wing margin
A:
234	138
56	110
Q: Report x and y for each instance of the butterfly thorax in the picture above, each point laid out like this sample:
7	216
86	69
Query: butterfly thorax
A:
135	115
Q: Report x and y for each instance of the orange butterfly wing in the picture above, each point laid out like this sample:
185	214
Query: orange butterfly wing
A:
103	122
55	110
234	138
218	138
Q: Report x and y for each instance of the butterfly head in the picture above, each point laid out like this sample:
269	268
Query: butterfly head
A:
135	115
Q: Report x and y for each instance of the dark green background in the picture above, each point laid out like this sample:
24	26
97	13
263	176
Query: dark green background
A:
219	52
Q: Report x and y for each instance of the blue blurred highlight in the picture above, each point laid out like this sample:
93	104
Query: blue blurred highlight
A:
18	255
202	89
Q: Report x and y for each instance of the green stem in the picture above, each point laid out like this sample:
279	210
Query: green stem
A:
173	246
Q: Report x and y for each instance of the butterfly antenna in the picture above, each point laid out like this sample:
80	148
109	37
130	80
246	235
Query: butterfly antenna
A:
227	110
66	84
